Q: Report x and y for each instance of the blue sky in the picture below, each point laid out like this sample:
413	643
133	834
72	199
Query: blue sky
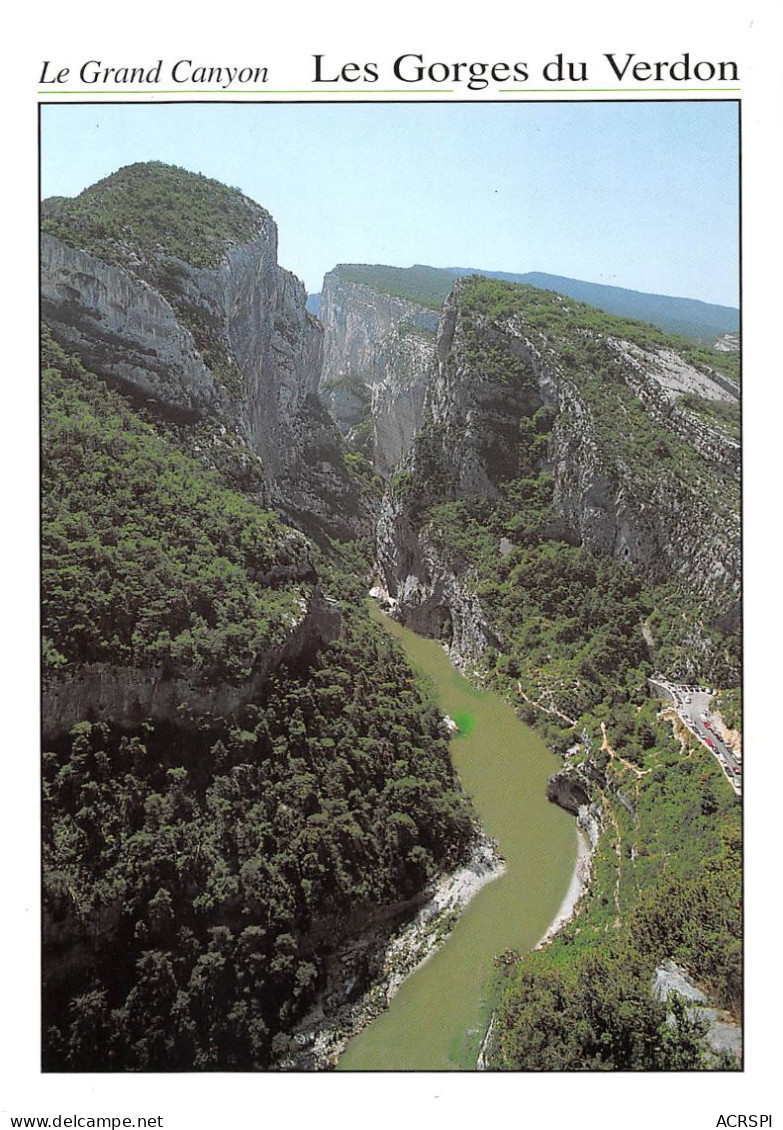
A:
641	195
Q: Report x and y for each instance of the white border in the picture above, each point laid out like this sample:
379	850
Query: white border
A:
228	34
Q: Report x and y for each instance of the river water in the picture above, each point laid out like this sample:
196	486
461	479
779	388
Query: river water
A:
438	1018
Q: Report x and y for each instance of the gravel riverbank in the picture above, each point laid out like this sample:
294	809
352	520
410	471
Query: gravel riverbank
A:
576	888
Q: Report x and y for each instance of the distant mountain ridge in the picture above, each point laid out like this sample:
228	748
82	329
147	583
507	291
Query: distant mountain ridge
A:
430	286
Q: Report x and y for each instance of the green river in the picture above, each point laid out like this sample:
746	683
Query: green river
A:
438	1018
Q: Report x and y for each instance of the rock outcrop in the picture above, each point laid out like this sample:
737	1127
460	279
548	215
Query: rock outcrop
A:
427	596
723	1035
377	356
197	324
637	473
128	696
230	342
573	788
123	328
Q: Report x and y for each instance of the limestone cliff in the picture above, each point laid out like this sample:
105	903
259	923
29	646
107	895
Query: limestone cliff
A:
574	789
123	328
377	355
220	334
642	464
427	595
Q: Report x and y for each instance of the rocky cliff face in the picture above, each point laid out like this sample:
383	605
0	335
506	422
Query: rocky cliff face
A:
230	341
574	789
664	519
425	593
377	356
122	327
642	468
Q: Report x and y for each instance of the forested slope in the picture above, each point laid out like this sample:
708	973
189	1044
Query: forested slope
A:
191	860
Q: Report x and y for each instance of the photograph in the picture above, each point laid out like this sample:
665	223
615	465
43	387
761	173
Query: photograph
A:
390	602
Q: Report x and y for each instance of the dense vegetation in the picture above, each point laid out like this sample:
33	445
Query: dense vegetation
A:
666	886
572	322
149	210
196	880
147	558
212	863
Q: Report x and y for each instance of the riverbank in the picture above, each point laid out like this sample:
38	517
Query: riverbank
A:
386	960
579	883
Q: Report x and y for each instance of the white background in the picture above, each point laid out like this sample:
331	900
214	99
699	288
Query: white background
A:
285	39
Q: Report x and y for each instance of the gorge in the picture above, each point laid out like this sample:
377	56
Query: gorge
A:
240	768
